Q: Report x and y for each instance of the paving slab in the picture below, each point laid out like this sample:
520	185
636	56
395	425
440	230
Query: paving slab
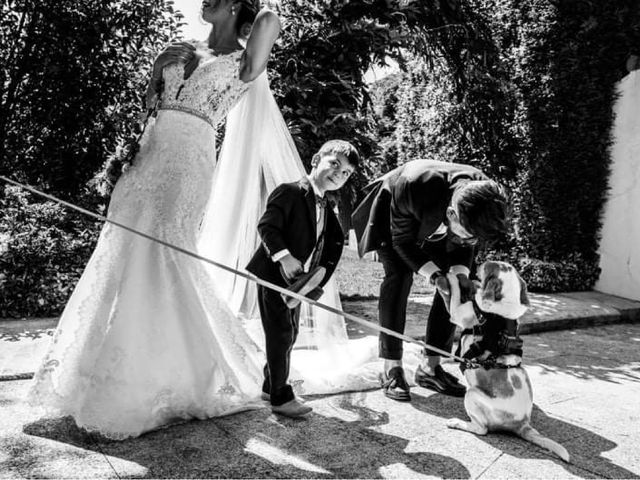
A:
577	310
23	343
515	467
27	453
558	311
198	449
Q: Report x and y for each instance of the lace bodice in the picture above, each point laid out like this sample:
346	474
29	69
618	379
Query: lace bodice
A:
211	90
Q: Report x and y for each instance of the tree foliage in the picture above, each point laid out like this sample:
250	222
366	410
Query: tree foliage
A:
386	95
566	69
71	80
44	248
327	46
538	119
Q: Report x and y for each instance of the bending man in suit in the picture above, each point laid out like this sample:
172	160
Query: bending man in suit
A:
299	232
425	217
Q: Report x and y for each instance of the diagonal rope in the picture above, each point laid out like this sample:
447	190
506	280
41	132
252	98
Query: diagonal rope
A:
248	276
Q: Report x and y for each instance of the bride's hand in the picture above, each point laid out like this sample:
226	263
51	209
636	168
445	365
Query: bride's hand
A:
181	52
191	65
175	53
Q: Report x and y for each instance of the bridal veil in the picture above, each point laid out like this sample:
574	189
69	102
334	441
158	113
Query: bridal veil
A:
257	154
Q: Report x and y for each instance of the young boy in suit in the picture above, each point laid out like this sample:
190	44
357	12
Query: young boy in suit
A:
299	233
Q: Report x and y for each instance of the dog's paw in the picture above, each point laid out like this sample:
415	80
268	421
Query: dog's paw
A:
456	423
472	427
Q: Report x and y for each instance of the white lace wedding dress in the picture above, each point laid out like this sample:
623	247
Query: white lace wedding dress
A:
145	339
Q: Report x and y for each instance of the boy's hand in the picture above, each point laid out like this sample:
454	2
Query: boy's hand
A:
291	267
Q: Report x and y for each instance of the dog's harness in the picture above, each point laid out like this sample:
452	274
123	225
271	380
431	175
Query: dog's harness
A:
495	334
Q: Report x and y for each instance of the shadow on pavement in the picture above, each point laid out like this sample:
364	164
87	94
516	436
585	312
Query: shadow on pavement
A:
586	446
607	353
584	367
16	336
258	444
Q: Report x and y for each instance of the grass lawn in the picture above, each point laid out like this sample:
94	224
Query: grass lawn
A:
358	278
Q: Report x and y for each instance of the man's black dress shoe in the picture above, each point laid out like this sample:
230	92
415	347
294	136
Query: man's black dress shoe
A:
441	381
394	385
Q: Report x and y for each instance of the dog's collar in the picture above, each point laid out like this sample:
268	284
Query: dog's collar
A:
506	341
492	362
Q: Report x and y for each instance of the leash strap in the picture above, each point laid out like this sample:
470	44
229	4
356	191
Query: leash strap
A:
248	276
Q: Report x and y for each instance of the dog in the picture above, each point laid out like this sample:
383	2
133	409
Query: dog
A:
499	396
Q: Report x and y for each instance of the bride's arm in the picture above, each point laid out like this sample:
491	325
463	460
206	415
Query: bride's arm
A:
264	32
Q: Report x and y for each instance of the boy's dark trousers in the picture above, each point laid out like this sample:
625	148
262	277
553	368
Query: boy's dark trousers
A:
281	326
289	222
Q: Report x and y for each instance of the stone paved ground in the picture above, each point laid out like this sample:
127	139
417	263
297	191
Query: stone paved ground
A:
586	390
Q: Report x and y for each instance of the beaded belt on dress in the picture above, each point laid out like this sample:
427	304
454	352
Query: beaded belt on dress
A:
188	110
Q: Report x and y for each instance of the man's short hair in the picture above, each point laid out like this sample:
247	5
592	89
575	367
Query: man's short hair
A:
341	147
483	209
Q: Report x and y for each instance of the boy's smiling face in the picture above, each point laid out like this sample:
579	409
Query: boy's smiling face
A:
331	171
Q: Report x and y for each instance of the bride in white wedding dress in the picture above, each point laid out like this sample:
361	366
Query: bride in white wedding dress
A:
145	339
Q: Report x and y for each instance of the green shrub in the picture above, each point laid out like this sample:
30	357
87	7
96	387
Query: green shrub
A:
43	251
571	274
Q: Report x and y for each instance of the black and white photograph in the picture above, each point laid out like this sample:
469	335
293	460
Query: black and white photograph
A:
341	239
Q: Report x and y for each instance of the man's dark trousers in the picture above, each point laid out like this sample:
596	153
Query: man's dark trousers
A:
392	305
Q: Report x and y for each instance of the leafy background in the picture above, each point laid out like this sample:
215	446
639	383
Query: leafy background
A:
522	89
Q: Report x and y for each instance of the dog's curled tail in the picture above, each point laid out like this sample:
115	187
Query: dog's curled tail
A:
532	435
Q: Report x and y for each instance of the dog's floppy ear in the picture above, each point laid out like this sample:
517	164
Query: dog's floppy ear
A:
504	293
524	294
492	290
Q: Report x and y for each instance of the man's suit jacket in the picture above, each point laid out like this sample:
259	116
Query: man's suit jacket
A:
289	222
406	207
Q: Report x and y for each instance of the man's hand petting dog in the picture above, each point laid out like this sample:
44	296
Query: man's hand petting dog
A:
441	283
467	288
466	285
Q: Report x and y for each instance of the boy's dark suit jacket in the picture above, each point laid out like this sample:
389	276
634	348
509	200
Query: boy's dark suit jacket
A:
290	222
406	206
